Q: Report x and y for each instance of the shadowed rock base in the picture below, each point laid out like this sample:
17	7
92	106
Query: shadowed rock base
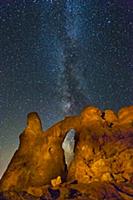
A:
102	167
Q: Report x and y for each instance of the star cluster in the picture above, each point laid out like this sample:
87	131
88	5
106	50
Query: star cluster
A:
57	56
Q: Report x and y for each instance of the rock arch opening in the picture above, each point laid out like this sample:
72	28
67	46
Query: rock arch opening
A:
68	146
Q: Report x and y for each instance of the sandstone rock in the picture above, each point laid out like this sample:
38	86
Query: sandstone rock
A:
102	164
126	117
68	191
111	118
103	152
39	158
19	171
56	182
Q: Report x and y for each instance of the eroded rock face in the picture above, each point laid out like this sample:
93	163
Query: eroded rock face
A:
39	158
19	170
104	148
102	164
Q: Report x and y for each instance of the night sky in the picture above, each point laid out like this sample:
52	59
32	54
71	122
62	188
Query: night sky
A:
57	57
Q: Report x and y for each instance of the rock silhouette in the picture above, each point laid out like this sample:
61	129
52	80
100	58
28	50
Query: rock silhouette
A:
102	164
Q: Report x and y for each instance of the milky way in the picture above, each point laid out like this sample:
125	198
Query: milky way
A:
57	57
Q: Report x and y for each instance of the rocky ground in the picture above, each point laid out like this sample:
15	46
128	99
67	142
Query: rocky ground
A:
68	191
102	167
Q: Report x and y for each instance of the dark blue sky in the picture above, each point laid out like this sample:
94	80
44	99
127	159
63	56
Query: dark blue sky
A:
57	57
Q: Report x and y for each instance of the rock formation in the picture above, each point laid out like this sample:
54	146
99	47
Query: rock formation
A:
102	167
39	158
104	149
